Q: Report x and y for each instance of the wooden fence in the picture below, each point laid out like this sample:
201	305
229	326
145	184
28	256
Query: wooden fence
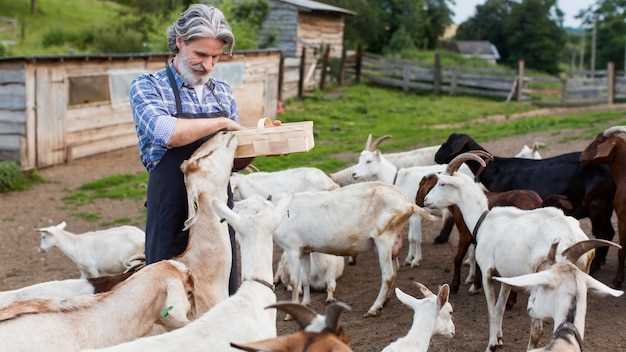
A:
597	87
411	75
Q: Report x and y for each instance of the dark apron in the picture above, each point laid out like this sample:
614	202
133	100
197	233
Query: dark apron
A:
167	198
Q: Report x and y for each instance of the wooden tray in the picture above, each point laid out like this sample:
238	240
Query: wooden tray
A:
288	138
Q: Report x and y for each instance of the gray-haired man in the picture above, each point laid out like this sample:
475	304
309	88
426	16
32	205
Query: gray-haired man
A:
175	110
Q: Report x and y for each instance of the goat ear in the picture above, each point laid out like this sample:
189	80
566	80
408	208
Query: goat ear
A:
542	278
177	306
62	225
599	288
333	312
424	290
406	299
443	295
604	149
223	212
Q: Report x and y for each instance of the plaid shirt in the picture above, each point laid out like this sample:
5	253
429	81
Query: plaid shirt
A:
154	106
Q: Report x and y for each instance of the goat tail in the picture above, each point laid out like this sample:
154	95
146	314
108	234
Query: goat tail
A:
424	214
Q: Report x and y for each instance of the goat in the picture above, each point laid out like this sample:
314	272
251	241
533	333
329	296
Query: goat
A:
530	153
295	180
507	256
159	293
374	166
325	270
609	147
558	291
208	252
589	189
565	339
241	316
416	157
96	253
319	333
345	222
432	315
52	289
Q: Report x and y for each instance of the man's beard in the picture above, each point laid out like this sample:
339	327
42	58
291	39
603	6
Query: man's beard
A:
191	76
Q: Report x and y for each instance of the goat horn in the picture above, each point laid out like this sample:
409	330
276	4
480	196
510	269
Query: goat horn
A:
369	142
378	141
576	250
425	291
483	154
333	312
303	315
614	130
456	163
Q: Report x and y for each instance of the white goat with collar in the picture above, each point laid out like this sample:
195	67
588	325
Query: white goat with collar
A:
432	315
96	253
373	165
510	241
559	293
241	317
159	293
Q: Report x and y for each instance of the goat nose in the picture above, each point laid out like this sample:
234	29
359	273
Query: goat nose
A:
354	176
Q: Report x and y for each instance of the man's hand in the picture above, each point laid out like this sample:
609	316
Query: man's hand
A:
230	125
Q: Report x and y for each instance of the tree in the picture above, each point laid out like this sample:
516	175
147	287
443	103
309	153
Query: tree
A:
610	17
488	24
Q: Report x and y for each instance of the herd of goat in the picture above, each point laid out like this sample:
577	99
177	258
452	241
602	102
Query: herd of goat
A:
516	218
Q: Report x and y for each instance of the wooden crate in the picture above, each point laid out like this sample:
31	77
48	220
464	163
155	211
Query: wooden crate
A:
285	139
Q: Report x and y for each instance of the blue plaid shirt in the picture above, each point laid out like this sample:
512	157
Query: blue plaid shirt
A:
154	106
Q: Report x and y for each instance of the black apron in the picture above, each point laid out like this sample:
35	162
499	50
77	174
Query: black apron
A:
167	197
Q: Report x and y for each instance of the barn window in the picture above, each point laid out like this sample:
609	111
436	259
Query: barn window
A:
89	89
120	84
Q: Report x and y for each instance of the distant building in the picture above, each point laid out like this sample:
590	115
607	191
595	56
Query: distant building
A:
449	32
474	48
291	24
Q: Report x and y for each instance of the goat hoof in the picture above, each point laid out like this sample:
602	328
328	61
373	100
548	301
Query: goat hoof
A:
415	263
473	290
371	313
617	284
331	300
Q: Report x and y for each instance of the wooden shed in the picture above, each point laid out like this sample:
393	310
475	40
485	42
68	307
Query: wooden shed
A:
291	24
58	108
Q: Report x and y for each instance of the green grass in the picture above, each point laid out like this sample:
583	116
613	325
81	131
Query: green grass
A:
125	186
12	178
88	216
72	17
117	222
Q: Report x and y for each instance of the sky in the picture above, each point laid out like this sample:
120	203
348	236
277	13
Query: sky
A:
465	9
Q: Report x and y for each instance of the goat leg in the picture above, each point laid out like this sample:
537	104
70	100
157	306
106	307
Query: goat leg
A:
444	234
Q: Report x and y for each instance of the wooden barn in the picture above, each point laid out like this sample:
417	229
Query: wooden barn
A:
292	24
54	109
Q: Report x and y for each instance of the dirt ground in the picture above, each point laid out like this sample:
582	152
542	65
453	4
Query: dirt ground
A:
21	213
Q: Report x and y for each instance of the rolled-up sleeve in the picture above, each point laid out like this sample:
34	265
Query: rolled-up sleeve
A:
152	119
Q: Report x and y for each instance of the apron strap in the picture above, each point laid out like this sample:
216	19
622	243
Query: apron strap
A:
172	79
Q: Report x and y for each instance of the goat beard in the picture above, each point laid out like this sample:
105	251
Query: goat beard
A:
190	73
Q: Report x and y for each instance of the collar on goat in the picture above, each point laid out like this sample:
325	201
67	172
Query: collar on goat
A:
477	227
395	177
263	282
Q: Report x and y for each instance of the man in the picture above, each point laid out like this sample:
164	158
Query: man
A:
175	110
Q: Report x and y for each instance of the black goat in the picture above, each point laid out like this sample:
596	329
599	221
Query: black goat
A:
590	189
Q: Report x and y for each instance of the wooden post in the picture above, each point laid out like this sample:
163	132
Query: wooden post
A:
281	76
359	62
520	80
302	66
325	66
342	66
563	90
437	74
406	77
453	82
610	79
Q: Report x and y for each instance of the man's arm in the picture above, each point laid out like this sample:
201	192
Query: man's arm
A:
190	130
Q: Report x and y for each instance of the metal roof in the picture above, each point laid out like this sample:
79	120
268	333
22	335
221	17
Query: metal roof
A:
118	57
318	6
477	47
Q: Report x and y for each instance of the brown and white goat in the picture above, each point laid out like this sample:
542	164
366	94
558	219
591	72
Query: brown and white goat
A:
319	333
609	147
158	294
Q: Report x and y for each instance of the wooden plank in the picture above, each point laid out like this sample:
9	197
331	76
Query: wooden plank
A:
51	103
12	116
85	118
10	128
12	155
12	74
112	131
28	149
10	143
102	146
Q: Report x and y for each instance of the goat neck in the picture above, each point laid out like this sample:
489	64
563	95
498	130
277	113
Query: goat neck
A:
256	259
472	203
424	320
388	171
67	242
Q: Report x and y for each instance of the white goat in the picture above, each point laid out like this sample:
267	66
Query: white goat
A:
373	165
432	315
565	339
156	294
345	222
416	157
52	289
301	179
241	317
325	270
511	241
96	253
530	153
559	293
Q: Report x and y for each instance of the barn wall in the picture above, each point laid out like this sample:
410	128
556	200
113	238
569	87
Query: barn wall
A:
318	28
280	28
58	131
12	110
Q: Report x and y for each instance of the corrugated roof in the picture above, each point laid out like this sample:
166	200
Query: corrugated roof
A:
477	47
318	6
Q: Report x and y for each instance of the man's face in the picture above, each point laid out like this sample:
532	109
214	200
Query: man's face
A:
198	57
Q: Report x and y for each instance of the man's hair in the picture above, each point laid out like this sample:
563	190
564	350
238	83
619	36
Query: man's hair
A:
200	20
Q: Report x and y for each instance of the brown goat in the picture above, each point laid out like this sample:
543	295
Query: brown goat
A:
519	198
610	148
323	332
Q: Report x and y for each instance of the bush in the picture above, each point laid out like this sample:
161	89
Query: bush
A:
13	179
3	50
401	41
119	39
54	37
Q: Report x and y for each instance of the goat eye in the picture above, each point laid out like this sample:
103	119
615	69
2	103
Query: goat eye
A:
368	162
